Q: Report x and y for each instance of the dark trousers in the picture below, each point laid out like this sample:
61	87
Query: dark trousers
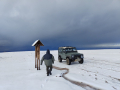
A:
49	69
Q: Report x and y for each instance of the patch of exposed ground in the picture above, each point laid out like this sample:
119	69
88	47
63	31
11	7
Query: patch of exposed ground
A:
81	84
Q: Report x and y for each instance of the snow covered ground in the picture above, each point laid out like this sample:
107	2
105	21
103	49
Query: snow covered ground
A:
101	69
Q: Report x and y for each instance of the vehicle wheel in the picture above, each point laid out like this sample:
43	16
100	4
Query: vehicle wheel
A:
59	59
68	61
81	61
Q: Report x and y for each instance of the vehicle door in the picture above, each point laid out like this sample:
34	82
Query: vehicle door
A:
60	52
63	54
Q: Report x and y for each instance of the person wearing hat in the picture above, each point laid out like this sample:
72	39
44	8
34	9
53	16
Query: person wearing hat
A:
48	60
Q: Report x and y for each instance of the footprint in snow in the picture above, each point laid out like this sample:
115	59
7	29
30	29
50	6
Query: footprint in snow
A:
46	80
59	75
42	85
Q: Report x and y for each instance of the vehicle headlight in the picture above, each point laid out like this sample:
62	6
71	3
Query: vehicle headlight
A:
72	56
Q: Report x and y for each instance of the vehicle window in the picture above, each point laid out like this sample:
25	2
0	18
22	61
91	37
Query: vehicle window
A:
59	50
70	49
74	49
63	50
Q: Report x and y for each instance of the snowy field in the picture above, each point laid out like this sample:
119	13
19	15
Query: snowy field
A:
101	69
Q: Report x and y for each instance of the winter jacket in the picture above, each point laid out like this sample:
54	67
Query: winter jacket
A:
48	59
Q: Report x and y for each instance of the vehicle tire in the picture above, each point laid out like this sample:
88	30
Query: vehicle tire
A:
81	62
68	61
59	59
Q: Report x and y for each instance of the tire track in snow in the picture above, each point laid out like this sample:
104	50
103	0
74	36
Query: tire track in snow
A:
111	69
105	62
102	75
83	85
95	64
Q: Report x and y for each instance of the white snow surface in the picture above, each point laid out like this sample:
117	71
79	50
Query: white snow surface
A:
35	42
101	69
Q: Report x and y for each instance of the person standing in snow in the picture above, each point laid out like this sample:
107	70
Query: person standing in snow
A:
48	60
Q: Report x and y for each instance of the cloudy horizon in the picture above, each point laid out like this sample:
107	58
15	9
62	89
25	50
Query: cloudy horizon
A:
80	23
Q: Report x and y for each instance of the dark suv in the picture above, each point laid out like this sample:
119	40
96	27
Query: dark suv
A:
69	54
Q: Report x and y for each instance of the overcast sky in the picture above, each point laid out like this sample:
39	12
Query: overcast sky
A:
79	23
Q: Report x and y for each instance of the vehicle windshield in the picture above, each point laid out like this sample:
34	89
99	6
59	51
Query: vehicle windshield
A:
71	50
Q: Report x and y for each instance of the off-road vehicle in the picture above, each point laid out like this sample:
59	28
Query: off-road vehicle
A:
69	54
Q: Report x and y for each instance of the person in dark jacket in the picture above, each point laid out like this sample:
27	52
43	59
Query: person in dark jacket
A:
48	60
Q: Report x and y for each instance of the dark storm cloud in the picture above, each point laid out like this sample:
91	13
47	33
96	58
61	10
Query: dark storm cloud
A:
73	22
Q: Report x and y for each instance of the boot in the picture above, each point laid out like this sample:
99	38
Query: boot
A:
47	73
50	73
